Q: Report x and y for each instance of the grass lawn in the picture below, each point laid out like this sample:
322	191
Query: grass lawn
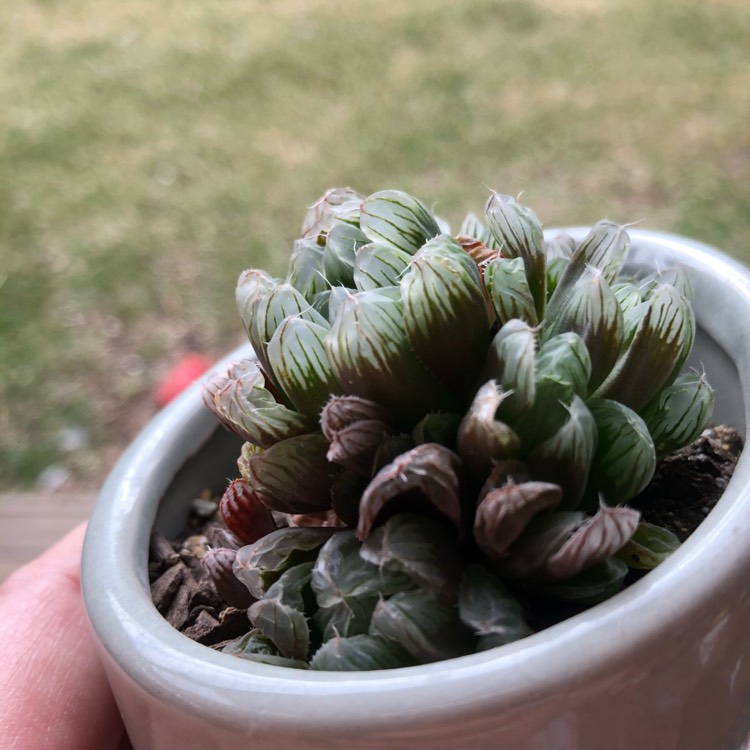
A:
149	151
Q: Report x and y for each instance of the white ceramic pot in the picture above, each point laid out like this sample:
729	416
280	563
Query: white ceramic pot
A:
665	665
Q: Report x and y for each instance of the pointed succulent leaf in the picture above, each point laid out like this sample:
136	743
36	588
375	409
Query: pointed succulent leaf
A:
251	285
603	535
566	457
336	298
421	547
511	362
593	312
260	564
346	617
429	629
555	270
342	244
519	235
254	646
285	626
595	584
280	302
293	476
306	273
605	247
426	476
475	228
356	445
628	295
658	349
397	219
336	205
511	471
675	276
625	458
508	287
444	311
360	653
378	265
679	413
649	546
561	246
297	354
371	356
342	411
562	370
391	448
347	587
541	539
244	405
293	587
504	513
217	563
244	514
483	439
489	610
341	573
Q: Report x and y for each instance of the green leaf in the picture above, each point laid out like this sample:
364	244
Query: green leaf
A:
592	311
437	427
306	269
271	308
426	627
508	288
566	457
562	370
251	285
284	625
293	476
420	547
261	564
511	362
371	356
650	546
658	348
240	400
489	610
347	587
335	206
427	476
342	244
605	248
397	219
378	265
360	653
625	457
679	413
444	312
519	235
300	364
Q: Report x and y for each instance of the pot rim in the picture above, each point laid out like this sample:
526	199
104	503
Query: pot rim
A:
178	671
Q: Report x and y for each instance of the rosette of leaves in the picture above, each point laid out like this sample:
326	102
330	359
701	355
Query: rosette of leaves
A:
441	426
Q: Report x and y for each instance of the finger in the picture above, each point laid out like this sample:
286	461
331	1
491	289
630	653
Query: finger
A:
53	691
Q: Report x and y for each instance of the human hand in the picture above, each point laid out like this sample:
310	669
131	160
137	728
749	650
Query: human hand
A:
53	692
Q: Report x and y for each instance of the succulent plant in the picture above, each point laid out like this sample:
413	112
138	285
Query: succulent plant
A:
441	429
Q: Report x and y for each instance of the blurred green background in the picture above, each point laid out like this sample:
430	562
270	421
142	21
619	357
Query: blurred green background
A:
149	151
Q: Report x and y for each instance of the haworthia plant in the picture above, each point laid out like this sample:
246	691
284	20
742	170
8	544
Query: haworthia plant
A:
442	429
